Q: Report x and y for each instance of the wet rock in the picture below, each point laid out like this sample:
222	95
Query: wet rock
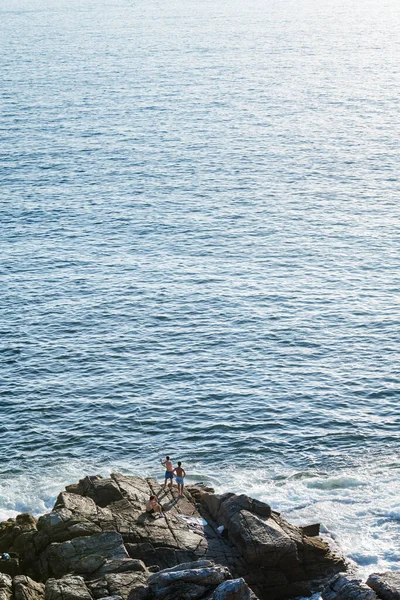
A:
26	588
386	585
342	587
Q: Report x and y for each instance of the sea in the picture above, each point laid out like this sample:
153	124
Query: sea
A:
199	254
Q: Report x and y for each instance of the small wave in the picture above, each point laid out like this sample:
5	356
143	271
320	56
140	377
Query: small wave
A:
364	559
383	394
305	475
336	483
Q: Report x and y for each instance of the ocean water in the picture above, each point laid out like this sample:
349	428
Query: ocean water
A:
199	213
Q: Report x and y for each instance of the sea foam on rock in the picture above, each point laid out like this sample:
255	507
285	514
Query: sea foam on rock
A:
98	542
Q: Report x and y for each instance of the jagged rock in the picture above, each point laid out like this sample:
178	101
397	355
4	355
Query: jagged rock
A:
27	589
201	576
277	559
68	588
5	587
100	553
13	534
181	590
98	528
235	589
310	530
386	585
342	587
10	566
117	584
188	581
141	592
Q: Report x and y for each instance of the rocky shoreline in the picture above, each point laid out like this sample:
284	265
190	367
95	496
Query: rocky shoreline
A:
99	543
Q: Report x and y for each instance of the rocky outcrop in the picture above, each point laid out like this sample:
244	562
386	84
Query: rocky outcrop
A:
27	589
383	586
235	589
275	558
98	542
342	587
192	581
67	588
5	587
386	585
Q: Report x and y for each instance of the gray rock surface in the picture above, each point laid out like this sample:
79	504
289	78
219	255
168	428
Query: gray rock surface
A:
235	589
276	559
342	587
27	589
100	553
189	581
67	588
386	585
204	576
5	586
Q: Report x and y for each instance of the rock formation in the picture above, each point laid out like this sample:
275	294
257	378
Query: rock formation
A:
383	586
98	542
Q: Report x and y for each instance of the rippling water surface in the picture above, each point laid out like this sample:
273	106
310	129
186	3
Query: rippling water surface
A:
200	253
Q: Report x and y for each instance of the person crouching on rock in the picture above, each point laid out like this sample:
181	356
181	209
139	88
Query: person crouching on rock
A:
169	473
180	474
152	507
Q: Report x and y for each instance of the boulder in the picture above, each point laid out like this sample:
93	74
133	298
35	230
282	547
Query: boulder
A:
5	587
189	581
202	576
275	558
12	529
26	588
235	589
343	587
386	585
68	588
310	530
10	566
117	584
100	553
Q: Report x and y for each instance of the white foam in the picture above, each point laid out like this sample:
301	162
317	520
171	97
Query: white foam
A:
7	514
359	510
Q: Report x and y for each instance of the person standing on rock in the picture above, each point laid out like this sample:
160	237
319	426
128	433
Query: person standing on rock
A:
179	472
169	472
